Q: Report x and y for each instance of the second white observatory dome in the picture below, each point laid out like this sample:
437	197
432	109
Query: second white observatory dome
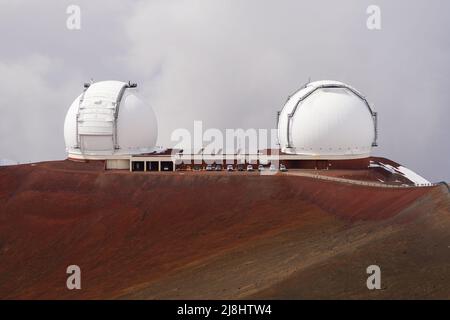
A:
327	120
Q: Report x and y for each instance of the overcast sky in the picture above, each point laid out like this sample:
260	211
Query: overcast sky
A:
231	64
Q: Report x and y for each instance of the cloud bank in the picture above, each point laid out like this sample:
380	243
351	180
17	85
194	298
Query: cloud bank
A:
231	64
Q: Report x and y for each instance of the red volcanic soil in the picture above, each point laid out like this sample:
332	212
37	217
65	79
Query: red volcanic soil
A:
216	235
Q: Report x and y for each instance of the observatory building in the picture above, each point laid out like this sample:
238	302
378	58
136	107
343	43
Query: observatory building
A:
108	121
327	120
323	125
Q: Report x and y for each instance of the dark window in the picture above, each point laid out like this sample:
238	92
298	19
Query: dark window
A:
166	166
152	166
137	166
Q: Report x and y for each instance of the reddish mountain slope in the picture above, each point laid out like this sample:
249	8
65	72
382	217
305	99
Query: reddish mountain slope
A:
215	235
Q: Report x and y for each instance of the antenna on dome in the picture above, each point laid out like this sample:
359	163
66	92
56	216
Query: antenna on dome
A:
88	84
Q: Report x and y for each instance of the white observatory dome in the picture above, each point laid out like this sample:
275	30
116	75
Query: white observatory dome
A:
327	120
109	119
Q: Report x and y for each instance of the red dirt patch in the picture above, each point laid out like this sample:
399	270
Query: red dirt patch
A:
125	229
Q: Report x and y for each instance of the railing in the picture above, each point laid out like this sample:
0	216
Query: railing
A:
364	183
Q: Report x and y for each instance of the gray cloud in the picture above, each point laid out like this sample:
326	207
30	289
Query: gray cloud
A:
231	64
